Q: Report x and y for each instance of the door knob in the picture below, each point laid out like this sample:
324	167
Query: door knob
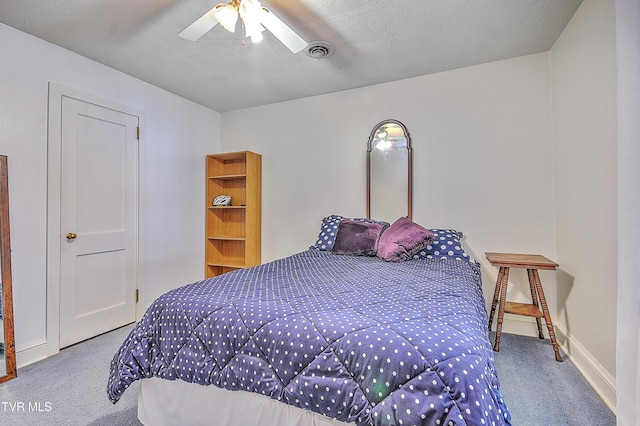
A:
71	236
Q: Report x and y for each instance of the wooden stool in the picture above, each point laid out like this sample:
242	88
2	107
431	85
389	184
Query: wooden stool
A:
530	262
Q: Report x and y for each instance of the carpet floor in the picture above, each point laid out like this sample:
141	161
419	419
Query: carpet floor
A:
541	391
70	388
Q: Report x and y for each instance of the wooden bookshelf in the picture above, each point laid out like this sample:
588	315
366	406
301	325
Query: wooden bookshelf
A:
233	233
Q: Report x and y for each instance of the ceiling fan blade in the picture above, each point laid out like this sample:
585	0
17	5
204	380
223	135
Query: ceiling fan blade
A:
286	35
203	24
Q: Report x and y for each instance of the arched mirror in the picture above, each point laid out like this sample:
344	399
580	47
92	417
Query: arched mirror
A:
389	172
7	345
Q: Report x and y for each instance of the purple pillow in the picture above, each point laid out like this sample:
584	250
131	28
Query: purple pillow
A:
329	229
402	240
357	238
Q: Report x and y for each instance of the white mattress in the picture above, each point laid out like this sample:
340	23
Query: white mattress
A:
165	402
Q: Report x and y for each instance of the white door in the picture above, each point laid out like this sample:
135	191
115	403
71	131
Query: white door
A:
98	220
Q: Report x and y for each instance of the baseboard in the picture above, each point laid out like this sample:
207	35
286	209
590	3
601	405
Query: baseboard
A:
600	380
31	352
597	376
521	326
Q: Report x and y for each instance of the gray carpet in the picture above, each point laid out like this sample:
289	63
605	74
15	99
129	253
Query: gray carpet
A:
541	391
70	388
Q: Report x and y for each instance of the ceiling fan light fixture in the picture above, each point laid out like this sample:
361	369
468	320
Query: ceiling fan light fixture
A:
250	12
227	16
255	19
256	36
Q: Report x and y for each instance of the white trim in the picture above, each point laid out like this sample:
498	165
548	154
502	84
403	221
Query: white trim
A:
594	373
31	352
597	376
51	344
520	325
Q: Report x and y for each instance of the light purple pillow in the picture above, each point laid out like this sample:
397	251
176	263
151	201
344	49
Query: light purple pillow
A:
357	238
402	240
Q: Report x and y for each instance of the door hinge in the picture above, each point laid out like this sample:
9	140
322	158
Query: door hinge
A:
137	295
138	132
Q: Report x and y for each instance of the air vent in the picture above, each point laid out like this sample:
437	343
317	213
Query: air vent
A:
319	49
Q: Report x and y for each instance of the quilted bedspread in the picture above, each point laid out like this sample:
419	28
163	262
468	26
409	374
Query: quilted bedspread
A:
355	338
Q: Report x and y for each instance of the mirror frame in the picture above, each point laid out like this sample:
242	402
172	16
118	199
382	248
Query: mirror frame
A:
5	258
409	166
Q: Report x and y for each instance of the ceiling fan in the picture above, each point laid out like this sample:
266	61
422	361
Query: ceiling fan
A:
254	19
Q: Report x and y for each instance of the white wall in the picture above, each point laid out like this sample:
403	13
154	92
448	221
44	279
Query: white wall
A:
628	342
482	159
519	154
176	134
583	67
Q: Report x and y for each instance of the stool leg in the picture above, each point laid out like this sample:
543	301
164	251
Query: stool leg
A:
532	287
547	317
503	300
496	295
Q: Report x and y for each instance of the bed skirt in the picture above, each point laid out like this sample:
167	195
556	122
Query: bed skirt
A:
175	402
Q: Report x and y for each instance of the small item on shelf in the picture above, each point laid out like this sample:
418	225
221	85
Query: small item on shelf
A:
222	200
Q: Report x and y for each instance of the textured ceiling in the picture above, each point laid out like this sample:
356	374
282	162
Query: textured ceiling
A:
375	41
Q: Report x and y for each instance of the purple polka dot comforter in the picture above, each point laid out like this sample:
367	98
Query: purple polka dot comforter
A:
351	337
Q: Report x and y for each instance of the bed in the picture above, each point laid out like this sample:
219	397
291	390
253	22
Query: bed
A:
331	335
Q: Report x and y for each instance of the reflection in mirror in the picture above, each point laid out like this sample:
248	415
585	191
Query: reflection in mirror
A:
389	168
7	344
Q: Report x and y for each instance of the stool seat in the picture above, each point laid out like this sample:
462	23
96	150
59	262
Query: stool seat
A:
537	309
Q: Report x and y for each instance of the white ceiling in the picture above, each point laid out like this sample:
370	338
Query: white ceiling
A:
375	41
